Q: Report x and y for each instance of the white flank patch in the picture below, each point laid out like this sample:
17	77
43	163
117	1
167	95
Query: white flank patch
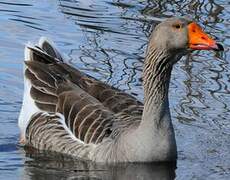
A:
28	106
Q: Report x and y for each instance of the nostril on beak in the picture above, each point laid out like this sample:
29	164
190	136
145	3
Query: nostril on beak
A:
203	38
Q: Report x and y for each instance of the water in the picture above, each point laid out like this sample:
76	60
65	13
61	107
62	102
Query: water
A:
107	40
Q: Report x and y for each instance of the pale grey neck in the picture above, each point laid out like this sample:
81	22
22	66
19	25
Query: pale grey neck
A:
155	135
156	78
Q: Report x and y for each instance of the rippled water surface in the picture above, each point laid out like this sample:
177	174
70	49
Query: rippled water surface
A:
107	39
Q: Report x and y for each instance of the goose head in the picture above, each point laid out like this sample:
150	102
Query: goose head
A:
180	36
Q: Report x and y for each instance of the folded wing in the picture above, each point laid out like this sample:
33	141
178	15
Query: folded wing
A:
92	110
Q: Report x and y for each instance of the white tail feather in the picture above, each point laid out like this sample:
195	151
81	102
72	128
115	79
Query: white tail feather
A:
28	106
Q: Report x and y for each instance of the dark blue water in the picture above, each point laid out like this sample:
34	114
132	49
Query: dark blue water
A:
107	39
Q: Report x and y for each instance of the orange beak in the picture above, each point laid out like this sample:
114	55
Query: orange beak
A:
199	40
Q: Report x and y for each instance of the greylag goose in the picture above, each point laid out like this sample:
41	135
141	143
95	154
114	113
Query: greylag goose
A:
67	111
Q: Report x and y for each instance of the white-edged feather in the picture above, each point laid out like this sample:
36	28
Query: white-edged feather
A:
62	121
46	39
28	106
43	39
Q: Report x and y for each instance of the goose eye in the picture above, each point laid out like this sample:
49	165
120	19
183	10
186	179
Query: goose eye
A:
177	26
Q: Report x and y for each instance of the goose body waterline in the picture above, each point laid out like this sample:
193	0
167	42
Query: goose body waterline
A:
67	111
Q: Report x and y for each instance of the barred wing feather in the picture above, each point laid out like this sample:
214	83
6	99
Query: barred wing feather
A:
92	110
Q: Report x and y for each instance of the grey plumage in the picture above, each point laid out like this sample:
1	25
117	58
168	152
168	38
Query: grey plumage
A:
75	114
92	110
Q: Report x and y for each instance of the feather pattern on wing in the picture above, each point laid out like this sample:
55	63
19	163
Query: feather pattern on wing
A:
92	110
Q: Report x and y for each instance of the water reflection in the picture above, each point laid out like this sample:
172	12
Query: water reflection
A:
53	166
104	56
197	9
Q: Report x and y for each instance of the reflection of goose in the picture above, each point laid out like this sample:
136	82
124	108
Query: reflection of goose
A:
63	167
67	111
52	166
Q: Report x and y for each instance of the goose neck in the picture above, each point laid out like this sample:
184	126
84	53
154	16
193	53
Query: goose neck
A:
156	77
